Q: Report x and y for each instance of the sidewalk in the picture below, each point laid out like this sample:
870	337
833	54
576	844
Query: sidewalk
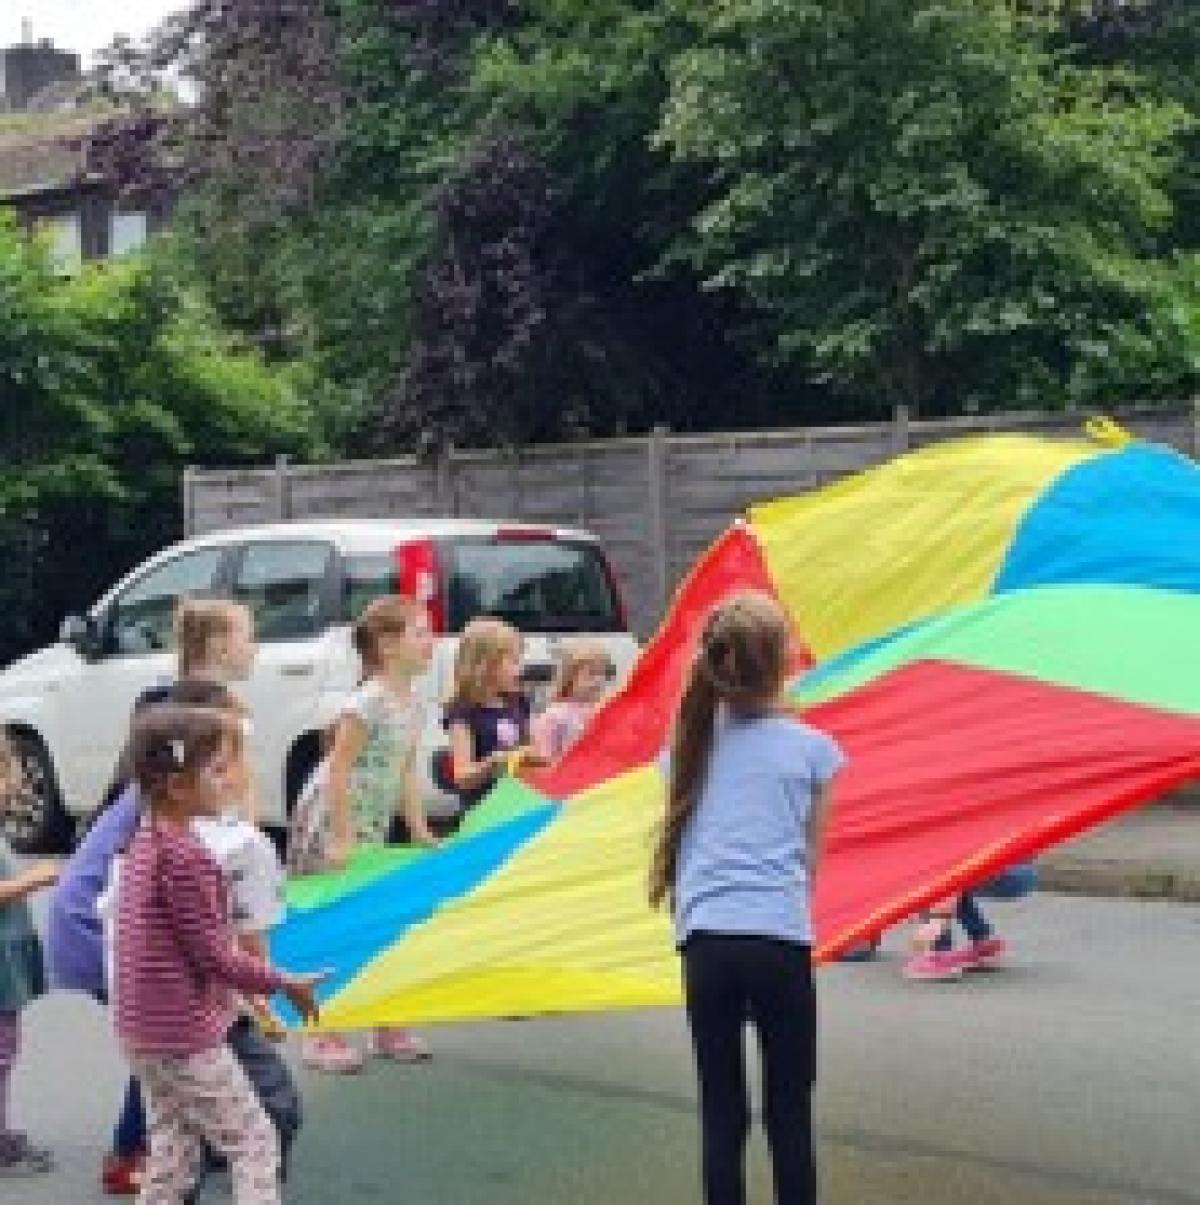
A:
1152	853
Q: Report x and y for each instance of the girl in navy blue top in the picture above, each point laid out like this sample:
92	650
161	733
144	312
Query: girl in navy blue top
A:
736	857
487	717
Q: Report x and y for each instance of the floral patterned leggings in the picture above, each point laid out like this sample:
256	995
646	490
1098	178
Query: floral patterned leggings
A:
205	1098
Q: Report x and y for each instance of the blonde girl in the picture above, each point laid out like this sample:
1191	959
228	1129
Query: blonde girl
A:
177	968
487	716
736	857
214	639
369	777
583	676
22	975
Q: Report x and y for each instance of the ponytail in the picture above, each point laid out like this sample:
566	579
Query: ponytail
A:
691	746
741	663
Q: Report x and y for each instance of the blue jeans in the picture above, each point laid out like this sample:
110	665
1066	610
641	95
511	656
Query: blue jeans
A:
129	1137
973	921
1009	884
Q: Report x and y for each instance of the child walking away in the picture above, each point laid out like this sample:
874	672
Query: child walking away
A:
935	958
369	776
22	977
583	676
737	854
177	965
487	717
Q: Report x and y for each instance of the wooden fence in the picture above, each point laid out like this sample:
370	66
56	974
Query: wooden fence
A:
656	501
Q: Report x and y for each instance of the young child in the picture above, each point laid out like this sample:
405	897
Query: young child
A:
214	639
79	947
934	957
737	855
369	776
583	675
177	965
22	978
487	716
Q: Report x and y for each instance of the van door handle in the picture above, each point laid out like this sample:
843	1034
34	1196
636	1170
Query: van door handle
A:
297	669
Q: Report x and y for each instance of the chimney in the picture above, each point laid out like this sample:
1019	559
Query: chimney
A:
26	32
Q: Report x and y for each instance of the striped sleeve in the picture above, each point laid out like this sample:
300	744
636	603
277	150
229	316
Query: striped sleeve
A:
191	883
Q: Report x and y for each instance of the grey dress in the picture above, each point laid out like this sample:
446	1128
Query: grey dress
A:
22	972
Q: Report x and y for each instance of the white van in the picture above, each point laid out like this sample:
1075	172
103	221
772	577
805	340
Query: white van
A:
67	707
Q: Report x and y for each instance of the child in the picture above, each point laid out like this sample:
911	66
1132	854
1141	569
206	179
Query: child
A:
487	717
177	964
934	957
215	643
747	795
22	977
583	675
78	950
368	777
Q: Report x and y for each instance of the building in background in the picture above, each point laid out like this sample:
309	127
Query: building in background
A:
48	171
32	68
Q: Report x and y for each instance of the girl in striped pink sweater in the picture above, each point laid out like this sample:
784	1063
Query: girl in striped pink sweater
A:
178	965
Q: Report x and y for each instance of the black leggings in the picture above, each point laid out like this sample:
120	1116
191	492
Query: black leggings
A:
729	980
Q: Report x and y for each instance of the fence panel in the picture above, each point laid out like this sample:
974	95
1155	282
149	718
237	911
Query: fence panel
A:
655	501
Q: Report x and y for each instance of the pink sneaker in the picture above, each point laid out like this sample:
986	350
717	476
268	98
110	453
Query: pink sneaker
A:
331	1054
400	1045
934	967
981	955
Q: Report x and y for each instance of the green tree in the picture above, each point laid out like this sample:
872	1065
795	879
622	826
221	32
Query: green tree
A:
928	205
110	382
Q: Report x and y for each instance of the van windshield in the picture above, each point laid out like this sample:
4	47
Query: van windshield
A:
537	586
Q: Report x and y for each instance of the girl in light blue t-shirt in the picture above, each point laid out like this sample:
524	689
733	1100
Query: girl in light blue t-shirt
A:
747	795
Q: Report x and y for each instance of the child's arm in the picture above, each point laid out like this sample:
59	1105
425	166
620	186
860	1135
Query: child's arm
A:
203	932
818	818
36	877
468	773
545	735
414	807
348	743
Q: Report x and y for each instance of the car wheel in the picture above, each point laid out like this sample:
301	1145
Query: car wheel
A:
35	821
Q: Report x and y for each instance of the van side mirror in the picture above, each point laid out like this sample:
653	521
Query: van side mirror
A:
79	631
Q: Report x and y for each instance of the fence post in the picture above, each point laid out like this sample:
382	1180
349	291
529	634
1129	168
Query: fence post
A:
189	501
901	433
445	483
1196	428
283	492
656	486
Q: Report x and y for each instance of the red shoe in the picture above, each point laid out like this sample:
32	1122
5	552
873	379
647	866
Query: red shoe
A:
980	955
121	1175
938	966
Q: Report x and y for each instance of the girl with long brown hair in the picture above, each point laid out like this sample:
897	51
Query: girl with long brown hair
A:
736	856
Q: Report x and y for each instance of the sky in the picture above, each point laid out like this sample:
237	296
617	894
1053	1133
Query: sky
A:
82	25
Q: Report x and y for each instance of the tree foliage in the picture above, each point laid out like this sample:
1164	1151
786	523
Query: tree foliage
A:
110	382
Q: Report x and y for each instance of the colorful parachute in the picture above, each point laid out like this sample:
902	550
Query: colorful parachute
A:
1006	629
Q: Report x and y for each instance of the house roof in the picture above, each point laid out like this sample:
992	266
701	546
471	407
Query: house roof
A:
42	152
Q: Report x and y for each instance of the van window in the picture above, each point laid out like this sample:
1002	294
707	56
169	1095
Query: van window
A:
284	585
142	619
366	577
537	586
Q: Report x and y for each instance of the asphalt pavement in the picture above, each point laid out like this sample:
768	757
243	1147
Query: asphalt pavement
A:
1070	1078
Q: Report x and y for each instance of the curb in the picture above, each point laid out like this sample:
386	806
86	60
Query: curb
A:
1112	879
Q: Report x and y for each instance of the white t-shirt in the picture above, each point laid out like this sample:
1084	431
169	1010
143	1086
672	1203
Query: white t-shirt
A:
249	865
